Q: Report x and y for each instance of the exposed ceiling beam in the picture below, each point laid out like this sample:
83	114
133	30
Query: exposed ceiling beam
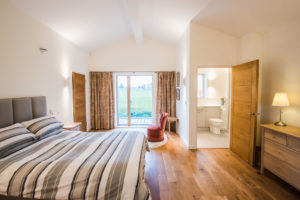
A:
132	12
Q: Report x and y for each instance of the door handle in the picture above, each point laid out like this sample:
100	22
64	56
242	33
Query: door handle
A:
254	114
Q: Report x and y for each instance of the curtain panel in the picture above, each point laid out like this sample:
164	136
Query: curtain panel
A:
102	100
166	101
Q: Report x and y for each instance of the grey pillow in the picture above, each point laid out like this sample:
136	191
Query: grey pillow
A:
43	125
14	138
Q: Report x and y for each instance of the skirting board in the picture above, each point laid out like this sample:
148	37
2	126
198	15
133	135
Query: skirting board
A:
186	144
202	128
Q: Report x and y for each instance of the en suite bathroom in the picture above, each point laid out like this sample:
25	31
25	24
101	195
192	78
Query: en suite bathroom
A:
213	109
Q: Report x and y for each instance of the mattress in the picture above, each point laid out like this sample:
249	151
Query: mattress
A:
78	165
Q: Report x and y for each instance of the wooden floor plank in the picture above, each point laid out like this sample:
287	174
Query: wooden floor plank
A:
174	172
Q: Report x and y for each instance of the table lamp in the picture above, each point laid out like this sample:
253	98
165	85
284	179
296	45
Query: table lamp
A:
280	100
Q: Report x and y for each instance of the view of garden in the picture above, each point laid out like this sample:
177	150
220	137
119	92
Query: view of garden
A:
140	99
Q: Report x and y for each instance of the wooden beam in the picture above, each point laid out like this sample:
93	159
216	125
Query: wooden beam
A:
132	12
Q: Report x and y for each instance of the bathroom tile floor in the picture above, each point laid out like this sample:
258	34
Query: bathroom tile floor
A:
206	139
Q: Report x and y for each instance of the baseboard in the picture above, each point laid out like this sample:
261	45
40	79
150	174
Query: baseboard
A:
202	129
183	140
192	147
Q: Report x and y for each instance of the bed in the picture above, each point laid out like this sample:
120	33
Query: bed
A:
69	164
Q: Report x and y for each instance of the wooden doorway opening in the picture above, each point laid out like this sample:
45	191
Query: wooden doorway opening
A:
79	100
243	109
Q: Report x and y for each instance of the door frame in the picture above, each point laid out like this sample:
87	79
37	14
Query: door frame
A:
230	120
154	94
229	91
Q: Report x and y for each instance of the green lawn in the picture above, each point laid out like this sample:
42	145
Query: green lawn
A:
141	102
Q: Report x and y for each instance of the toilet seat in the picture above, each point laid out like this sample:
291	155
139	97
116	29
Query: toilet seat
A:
216	120
215	125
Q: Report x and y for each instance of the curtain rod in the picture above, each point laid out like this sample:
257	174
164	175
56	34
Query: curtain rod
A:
133	72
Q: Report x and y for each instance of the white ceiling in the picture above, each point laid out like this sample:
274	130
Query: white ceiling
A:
239	17
92	24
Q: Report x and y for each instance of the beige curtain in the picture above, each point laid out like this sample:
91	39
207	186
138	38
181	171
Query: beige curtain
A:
102	100
166	87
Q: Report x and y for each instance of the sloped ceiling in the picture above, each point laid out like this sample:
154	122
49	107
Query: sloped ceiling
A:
239	17
92	24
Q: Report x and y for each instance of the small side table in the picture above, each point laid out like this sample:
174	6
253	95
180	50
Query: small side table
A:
171	120
75	126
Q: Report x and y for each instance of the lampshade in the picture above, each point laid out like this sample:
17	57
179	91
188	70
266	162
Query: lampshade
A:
280	99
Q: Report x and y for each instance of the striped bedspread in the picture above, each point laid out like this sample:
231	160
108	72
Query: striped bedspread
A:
78	165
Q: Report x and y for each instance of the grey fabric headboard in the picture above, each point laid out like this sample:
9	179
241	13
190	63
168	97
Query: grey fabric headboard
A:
14	110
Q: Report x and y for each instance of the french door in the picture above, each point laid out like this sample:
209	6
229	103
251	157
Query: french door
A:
134	99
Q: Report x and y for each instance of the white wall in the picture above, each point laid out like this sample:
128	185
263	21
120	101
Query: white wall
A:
281	73
207	48
24	71
182	106
127	55
251	48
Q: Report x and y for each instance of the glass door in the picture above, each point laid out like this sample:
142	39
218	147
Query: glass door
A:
122	100
134	96
140	100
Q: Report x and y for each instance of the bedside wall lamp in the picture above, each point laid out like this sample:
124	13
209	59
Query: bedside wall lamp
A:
43	50
280	100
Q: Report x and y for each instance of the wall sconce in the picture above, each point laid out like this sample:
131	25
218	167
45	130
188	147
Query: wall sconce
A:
43	50
183	81
53	112
66	82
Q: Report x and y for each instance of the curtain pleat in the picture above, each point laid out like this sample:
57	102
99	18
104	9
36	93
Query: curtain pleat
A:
102	100
166	101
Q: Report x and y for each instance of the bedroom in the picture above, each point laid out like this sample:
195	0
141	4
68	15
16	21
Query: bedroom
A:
111	36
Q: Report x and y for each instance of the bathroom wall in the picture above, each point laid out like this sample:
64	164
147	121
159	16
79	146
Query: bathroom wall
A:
218	86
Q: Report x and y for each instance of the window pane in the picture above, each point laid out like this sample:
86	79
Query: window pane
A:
141	100
205	85
202	85
122	100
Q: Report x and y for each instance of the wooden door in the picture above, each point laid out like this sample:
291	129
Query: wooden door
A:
244	93
79	107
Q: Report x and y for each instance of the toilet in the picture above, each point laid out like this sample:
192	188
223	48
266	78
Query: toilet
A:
215	125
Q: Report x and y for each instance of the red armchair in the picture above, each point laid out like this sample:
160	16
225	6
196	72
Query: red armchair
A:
156	133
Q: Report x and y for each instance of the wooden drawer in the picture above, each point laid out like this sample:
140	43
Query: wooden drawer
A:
283	153
293	143
283	170
275	136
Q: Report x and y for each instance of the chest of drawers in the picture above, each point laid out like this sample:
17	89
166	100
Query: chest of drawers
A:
281	152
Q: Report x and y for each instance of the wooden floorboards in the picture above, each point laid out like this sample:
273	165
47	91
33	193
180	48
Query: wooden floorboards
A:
174	172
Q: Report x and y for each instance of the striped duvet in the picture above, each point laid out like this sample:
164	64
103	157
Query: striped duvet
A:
78	165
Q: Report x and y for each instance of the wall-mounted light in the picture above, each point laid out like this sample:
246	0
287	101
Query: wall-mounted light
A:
43	50
53	112
183	81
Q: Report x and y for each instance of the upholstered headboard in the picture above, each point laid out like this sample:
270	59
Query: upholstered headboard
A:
14	110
